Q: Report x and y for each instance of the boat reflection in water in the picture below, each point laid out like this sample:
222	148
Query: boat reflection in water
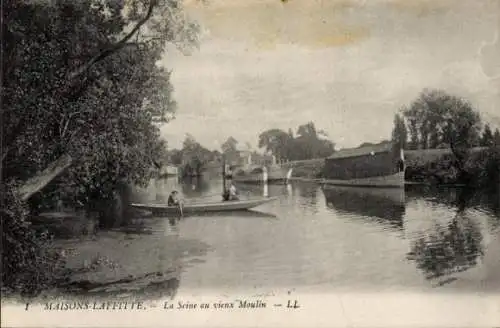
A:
384	205
231	214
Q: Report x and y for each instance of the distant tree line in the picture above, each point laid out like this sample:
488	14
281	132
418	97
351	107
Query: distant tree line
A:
307	143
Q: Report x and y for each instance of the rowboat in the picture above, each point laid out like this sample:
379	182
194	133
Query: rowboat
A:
240	214
232	205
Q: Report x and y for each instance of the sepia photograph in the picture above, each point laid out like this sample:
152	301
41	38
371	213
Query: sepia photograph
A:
250	163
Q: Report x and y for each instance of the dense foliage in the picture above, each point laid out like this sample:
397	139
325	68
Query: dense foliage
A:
80	78
29	265
437	120
451	248
309	143
230	145
103	115
193	158
399	132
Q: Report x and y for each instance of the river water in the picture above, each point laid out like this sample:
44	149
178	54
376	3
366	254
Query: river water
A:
310	239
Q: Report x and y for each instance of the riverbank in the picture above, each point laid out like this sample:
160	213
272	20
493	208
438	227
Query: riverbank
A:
31	228
143	261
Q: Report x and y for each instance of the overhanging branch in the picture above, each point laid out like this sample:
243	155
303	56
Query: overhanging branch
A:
117	46
72	77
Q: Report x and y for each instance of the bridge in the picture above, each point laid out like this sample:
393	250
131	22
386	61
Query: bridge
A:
300	163
302	168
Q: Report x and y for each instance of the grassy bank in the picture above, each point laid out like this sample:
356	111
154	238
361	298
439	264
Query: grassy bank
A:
33	264
439	167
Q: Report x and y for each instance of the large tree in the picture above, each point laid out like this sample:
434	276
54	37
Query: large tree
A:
436	117
309	143
312	143
79	81
276	142
229	146
399	132
81	78
194	156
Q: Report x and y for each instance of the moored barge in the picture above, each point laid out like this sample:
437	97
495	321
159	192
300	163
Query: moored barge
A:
380	165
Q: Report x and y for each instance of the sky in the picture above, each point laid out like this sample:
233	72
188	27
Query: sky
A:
346	65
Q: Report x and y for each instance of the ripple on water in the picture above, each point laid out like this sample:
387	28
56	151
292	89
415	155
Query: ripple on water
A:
336	240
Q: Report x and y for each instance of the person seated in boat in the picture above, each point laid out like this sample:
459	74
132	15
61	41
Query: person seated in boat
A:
229	172
173	199
233	192
225	195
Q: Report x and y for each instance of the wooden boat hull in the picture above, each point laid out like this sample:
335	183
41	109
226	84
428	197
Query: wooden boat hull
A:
238	205
381	165
389	181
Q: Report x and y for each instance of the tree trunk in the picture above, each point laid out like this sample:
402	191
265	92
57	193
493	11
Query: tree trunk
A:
39	181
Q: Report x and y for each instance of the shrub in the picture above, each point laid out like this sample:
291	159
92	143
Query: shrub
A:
28	262
486	169
482	167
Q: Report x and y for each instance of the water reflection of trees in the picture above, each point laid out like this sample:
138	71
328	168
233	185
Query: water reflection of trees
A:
194	186
307	191
488	201
257	190
385	206
453	248
493	199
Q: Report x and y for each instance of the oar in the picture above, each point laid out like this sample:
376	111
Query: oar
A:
180	203
180	208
